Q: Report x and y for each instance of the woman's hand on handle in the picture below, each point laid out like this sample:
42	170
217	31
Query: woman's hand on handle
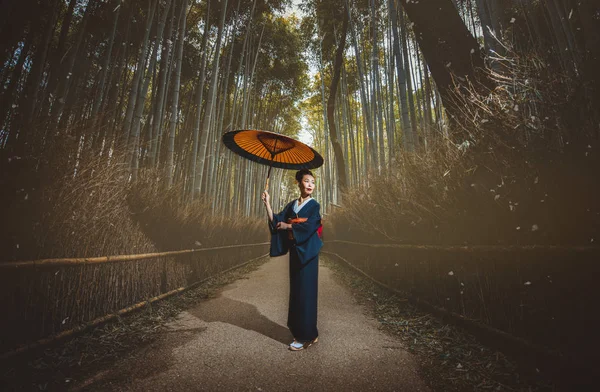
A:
265	198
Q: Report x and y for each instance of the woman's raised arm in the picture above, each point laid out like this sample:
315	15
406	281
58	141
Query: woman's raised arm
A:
266	201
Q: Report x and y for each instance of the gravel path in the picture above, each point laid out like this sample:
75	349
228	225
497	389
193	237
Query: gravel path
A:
238	342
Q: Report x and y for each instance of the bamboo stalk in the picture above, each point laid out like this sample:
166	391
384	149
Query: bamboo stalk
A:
111	316
114	259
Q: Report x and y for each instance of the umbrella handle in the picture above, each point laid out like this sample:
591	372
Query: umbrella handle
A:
268	176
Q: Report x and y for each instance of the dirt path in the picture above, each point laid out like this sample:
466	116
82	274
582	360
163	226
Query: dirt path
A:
238	341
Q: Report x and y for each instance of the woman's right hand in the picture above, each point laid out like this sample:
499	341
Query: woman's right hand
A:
265	198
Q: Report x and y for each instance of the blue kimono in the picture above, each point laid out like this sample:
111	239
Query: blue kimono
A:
304	265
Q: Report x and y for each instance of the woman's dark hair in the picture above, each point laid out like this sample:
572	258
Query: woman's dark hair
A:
301	173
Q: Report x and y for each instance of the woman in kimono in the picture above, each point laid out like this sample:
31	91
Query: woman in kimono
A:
295	230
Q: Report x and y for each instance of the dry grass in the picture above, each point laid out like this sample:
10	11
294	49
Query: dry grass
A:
61	206
515	171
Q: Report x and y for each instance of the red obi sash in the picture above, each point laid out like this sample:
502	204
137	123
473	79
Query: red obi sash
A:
302	220
294	220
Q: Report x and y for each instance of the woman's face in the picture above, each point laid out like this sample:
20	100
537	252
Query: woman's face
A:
307	185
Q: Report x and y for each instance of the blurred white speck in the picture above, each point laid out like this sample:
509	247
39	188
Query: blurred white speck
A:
472	185
591	240
484	120
518	227
459	366
462	284
17	246
461	292
516	108
570	14
534	228
511	207
536	180
14	106
472	51
451	273
26	196
197	243
528	283
449	64
395	265
512	20
541	201
65	320
496	197
374	295
448	299
589	146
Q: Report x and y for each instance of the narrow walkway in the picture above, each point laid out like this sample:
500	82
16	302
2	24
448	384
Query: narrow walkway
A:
238	342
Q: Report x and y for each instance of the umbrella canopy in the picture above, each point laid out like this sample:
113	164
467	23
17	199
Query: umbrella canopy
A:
272	149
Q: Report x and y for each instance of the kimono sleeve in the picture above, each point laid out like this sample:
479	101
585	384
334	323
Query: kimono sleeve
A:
276	219
304	231
278	242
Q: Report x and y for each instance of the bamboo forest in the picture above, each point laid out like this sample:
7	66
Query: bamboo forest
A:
452	150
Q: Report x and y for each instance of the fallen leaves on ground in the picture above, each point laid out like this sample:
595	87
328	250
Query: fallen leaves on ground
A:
449	358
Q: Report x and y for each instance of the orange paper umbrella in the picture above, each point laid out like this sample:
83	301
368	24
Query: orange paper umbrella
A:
272	149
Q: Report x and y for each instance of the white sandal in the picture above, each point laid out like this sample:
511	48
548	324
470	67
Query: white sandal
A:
297	346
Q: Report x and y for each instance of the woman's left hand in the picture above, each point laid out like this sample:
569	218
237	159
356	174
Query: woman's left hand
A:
283	226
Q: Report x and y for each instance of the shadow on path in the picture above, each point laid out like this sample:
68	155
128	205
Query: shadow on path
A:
243	315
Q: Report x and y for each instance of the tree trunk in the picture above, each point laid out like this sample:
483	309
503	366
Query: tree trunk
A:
170	167
199	97
141	99
448	47
409	85
210	100
159	102
137	77
105	66
337	149
65	83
